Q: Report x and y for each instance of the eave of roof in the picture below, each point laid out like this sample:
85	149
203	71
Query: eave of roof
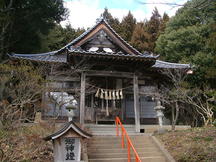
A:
168	65
52	57
65	129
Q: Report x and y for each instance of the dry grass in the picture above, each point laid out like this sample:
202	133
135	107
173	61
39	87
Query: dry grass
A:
193	145
26	144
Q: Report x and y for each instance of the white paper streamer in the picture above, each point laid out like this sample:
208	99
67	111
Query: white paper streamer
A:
110	95
97	94
117	94
121	94
101	95
106	95
113	95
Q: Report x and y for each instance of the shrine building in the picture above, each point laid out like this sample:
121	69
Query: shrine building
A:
104	76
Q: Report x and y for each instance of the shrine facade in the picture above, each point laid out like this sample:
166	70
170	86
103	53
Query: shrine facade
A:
104	76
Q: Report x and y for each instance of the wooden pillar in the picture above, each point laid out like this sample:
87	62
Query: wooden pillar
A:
136	103
92	101
82	98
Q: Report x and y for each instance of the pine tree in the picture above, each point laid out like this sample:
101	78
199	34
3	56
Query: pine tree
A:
113	22
163	23
24	24
127	26
59	37
153	28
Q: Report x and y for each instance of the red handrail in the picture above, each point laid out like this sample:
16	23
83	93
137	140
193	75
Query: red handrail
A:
129	143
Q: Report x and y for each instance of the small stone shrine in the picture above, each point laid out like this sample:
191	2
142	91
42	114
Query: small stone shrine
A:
69	143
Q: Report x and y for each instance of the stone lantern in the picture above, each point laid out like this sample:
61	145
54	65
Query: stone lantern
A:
159	113
71	107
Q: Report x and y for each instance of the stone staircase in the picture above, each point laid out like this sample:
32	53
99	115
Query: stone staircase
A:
109	129
108	149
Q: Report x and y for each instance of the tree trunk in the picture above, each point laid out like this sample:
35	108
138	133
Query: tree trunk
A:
175	115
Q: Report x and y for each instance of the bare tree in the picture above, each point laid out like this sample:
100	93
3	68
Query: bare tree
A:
20	90
202	104
172	91
179	95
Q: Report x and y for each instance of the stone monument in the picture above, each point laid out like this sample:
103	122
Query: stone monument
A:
69	142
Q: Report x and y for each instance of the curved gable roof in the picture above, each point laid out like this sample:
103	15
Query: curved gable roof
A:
65	129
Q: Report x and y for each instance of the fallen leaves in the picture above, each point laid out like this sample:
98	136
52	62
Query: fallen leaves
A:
197	144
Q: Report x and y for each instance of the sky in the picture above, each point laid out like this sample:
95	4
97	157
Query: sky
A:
83	13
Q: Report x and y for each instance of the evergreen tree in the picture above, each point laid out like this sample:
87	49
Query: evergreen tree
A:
140	37
163	23
28	21
59	37
113	22
127	26
153	28
189	38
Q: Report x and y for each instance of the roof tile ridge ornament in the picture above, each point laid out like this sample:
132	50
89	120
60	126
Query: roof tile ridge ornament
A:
146	53
101	18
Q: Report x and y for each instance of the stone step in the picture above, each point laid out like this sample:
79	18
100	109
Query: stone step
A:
143	136
123	155
118	145
112	133
122	150
109	149
143	159
109	129
118	140
107	126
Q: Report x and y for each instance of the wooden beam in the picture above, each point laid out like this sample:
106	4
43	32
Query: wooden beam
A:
109	73
82	98
136	103
62	78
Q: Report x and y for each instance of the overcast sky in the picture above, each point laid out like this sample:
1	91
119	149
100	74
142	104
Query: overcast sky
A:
83	13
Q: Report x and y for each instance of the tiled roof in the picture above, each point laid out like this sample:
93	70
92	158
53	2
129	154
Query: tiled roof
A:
67	127
81	52
168	65
60	57
44	57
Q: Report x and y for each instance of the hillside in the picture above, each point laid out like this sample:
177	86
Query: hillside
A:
193	145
